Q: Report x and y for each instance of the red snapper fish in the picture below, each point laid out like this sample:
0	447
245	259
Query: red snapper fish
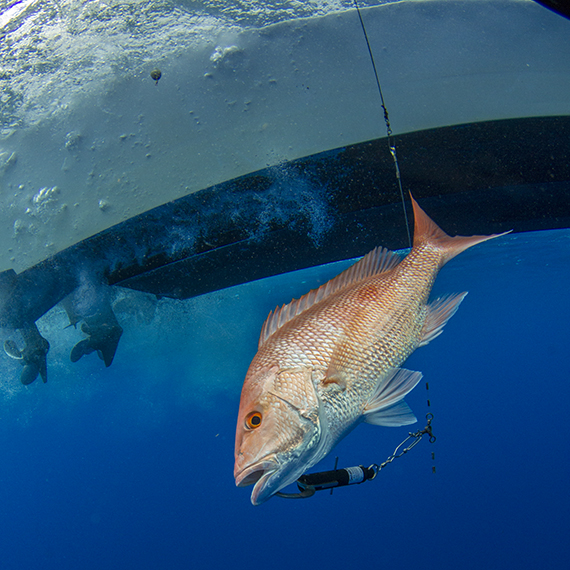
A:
332	358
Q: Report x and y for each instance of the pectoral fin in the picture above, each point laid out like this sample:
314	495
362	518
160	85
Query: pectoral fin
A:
386	406
335	376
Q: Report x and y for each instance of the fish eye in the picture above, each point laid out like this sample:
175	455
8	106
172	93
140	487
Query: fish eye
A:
253	420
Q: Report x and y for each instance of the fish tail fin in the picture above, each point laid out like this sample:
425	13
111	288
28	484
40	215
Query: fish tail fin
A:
427	231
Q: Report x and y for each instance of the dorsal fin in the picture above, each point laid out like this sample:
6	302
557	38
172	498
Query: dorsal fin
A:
379	260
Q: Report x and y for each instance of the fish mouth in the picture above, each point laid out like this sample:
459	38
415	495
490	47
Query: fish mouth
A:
259	475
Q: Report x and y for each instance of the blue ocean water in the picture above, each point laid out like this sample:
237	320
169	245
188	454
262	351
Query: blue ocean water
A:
131	467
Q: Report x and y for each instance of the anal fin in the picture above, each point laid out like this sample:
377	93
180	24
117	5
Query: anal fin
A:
439	312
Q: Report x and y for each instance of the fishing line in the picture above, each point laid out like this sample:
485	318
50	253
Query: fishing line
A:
392	145
391	142
430	414
309	484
